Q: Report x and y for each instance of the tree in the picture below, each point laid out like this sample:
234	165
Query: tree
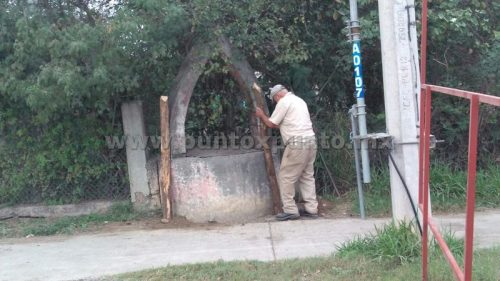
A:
66	65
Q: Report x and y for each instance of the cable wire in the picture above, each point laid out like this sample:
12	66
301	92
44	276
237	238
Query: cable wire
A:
407	191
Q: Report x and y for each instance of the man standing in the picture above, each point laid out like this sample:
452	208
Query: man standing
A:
291	116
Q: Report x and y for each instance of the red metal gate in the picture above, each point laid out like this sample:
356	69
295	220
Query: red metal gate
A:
425	114
424	164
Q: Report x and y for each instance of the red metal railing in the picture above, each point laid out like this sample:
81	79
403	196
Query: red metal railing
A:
424	164
425	125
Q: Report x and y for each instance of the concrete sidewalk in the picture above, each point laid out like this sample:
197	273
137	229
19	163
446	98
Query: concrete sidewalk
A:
92	256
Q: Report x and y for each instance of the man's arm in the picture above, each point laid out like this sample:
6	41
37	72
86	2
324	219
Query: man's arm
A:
260	114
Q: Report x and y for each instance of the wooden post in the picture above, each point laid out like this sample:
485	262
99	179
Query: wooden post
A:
268	157
165	161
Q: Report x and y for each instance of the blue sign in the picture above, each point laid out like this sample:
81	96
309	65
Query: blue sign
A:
358	70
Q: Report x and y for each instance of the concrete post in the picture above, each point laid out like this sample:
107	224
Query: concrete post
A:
135	133
401	91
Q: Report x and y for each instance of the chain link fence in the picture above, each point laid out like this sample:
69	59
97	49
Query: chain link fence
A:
51	180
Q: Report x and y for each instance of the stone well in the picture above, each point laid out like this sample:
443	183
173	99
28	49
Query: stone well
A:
221	186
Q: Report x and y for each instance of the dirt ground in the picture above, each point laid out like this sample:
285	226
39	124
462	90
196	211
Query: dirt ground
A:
327	209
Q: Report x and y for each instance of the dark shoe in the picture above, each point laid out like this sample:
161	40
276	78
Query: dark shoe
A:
287	216
305	213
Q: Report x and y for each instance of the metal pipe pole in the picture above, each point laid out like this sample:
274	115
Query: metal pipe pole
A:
355	143
360	91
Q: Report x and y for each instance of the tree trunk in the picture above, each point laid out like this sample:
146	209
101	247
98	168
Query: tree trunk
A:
181	92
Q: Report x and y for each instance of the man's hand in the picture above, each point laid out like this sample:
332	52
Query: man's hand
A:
259	112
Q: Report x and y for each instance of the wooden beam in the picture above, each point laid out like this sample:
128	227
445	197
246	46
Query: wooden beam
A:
268	157
165	161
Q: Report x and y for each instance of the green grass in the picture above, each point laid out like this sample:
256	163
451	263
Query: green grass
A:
393	243
398	244
119	212
329	268
448	190
391	253
377	195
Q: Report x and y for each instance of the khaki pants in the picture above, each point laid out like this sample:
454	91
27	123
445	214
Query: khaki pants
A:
297	165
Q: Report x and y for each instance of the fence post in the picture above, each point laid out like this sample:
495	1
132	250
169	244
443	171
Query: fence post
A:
165	161
136	142
471	186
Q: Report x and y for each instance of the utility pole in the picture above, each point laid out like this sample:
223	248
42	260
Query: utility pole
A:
401	94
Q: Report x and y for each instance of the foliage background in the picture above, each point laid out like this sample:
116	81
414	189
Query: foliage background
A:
65	67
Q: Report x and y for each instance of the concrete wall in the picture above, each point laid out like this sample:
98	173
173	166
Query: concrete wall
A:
57	211
226	188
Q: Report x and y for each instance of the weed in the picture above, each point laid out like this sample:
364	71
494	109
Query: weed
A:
393	242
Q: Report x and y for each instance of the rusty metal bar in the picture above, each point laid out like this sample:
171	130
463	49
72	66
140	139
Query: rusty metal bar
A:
488	99
459	275
471	186
425	178
421	145
422	124
423	44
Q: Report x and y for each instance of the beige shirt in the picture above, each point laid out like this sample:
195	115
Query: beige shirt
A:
292	115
